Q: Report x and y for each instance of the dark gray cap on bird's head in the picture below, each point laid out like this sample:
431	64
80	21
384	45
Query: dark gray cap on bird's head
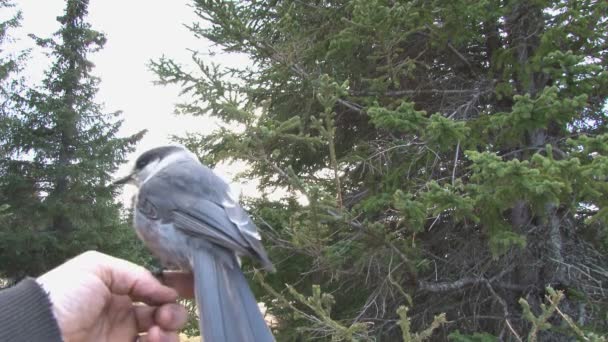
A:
155	154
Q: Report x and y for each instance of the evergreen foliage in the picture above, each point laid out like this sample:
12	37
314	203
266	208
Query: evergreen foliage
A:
11	64
541	322
63	151
450	152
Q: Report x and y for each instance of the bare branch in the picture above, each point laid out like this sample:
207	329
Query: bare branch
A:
505	309
397	93
455	163
461	57
448	286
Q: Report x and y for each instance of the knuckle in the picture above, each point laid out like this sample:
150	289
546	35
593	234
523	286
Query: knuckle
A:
91	254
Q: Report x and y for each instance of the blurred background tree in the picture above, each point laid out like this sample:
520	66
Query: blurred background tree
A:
450	156
11	80
59	152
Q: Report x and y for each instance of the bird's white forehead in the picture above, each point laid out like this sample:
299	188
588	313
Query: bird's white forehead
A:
155	166
190	154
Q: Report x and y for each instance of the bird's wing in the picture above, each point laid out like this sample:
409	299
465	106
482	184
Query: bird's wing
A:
199	204
215	189
239	217
206	219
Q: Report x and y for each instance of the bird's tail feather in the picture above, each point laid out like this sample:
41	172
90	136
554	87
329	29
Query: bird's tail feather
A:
228	311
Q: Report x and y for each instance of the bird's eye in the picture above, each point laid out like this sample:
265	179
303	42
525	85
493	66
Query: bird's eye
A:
141	164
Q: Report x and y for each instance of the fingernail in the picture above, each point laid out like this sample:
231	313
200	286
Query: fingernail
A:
169	337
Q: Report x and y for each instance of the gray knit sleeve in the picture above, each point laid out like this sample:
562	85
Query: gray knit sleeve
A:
26	315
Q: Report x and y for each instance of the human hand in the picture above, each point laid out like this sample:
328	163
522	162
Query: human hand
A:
93	299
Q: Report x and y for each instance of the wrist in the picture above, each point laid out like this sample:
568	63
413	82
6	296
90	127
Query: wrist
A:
46	285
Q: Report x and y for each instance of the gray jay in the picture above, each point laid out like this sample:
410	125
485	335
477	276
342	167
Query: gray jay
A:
187	217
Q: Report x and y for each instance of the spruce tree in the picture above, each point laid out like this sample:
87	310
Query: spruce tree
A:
11	87
453	156
11	80
66	151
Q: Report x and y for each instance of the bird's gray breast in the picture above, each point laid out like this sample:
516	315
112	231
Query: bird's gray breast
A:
163	240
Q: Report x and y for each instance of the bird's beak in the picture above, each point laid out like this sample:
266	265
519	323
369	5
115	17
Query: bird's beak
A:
125	180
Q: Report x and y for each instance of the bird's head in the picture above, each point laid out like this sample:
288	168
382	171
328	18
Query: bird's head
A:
152	161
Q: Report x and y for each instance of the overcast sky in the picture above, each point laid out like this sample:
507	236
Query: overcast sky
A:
137	31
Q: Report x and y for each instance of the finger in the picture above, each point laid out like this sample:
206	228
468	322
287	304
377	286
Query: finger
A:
144	316
156	334
182	282
171	317
126	278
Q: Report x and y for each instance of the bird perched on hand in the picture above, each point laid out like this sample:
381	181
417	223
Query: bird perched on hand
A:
187	217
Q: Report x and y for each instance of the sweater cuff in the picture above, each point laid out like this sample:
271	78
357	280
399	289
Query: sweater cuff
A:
26	314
